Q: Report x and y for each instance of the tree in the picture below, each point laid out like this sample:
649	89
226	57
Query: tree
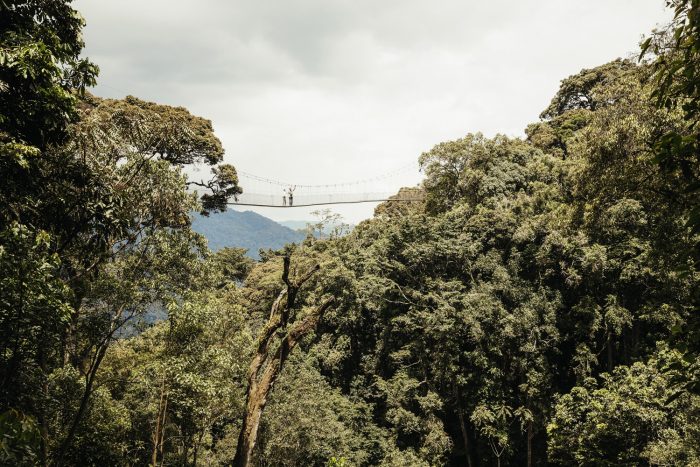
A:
626	419
40	76
20	441
517	310
570	110
676	76
528	271
676	72
99	185
266	366
313	429
329	224
40	68
123	233
182	379
407	200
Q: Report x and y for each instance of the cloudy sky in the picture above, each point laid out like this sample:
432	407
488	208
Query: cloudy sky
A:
327	91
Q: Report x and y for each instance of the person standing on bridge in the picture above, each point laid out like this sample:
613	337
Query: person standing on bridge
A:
290	192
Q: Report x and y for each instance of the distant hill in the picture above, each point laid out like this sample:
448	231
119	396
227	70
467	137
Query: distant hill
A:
296	225
302	225
245	230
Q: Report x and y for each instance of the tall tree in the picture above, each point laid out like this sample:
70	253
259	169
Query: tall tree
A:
267	363
676	78
131	247
40	72
97	188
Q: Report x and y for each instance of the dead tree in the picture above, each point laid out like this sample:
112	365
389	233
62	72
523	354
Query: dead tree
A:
266	366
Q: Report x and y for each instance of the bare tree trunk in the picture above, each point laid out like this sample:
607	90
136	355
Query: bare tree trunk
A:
463	426
265	366
160	419
195	448
530	435
185	450
43	422
100	352
87	392
249	431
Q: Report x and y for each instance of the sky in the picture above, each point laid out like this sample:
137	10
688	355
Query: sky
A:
331	91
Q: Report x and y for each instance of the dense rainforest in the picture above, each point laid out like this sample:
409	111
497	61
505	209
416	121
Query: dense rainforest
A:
538	307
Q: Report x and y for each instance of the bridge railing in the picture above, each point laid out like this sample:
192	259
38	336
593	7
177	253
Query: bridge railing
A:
315	199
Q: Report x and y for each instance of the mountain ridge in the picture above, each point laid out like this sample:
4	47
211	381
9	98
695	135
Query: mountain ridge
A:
244	229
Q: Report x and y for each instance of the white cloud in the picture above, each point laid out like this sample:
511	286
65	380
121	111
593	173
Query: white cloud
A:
318	91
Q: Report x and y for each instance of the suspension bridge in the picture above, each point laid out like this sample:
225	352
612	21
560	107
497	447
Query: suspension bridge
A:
266	192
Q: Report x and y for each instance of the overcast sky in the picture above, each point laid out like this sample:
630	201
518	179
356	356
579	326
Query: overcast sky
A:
324	91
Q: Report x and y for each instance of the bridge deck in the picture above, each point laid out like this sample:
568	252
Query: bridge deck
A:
315	199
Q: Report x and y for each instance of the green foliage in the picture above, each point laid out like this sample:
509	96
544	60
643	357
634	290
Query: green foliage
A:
101	429
196	361
390	209
572	107
19	439
94	225
459	324
170	132
329	225
34	311
676	73
583	90
222	187
676	70
336	462
530	270
233	264
326	424
626	419
40	66
473	170
522	313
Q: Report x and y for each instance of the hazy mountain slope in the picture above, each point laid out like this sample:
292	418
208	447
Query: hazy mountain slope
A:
296	225
302	225
244	229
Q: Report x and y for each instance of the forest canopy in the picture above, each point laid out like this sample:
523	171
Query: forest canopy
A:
538	307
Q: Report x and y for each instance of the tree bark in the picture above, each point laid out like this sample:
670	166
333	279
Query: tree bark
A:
249	431
43	422
463	426
265	367
195	448
100	352
530	435
160	417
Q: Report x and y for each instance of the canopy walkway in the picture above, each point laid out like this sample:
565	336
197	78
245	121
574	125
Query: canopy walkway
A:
265	192
319	199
